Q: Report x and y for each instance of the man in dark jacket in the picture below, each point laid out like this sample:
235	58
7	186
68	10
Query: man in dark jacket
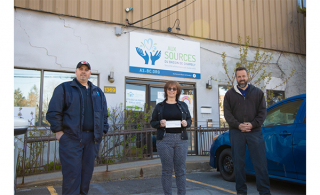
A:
245	110
78	114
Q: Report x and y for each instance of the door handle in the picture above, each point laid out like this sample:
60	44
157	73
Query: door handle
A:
284	133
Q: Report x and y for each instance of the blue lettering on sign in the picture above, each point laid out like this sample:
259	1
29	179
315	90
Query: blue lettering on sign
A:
164	72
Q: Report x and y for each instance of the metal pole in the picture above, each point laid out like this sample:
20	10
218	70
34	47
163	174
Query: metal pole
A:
24	155
55	150
41	98
48	154
107	152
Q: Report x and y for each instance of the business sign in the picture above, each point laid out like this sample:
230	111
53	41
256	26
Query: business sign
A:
135	99
156	55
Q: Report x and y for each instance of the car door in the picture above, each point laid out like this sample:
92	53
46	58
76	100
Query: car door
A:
278	130
299	143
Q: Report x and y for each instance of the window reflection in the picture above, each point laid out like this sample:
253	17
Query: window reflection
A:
27	94
282	115
157	96
274	96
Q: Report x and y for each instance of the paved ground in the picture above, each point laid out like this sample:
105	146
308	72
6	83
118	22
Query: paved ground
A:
204	183
143	177
137	169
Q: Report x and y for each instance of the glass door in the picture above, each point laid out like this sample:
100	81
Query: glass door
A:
140	92
156	95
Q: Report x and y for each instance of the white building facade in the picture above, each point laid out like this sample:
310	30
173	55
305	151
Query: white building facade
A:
47	48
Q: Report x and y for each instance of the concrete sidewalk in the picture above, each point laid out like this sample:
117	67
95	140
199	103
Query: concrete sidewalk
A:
130	170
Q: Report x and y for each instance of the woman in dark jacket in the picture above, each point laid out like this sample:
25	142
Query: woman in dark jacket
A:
171	118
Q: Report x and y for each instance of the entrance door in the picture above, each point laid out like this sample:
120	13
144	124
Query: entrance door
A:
141	92
151	92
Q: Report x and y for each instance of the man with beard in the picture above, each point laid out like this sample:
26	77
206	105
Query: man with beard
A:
78	114
245	110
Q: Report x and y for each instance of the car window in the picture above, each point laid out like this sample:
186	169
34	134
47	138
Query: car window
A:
283	114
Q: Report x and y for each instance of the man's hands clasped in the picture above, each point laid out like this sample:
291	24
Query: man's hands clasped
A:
245	127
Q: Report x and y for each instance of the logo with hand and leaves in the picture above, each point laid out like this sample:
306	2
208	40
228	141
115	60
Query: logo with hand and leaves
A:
148	45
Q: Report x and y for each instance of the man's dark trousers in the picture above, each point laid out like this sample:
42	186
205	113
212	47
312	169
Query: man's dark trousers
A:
257	150
77	162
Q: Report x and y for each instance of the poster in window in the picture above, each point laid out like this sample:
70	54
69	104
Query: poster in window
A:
188	99
135	99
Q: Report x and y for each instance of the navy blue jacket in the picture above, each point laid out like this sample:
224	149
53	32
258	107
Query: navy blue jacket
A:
239	109
66	110
157	116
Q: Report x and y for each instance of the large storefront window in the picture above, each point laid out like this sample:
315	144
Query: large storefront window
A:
33	90
27	94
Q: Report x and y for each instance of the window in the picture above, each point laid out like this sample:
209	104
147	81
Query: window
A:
274	96
282	115
30	95
27	94
302	3
135	97
145	92
222	91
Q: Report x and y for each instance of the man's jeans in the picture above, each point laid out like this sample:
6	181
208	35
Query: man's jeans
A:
257	150
77	162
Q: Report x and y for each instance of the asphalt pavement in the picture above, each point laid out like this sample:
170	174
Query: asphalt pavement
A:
199	183
123	171
143	178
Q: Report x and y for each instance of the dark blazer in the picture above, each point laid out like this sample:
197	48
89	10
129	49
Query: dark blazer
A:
66	110
157	117
239	109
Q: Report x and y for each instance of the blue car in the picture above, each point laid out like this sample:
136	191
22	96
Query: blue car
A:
284	132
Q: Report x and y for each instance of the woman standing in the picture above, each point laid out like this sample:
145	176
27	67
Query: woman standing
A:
171	118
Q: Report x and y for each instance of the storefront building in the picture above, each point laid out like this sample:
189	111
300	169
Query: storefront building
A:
132	62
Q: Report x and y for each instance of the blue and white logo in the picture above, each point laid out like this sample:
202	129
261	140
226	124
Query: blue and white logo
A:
130	94
151	47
